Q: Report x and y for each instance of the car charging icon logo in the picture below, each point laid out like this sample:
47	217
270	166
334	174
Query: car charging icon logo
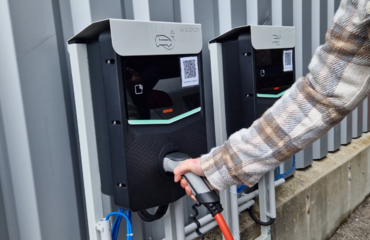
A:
139	89
276	39
168	42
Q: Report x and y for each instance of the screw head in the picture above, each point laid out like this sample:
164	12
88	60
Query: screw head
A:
307	196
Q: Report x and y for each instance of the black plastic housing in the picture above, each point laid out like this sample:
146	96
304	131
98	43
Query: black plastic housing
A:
130	156
242	105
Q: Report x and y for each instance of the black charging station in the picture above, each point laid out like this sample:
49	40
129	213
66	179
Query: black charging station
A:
258	67
147	94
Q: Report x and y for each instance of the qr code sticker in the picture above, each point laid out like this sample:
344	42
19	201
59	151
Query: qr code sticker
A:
189	71
288	60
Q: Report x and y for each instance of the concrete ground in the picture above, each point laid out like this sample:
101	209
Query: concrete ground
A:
357	226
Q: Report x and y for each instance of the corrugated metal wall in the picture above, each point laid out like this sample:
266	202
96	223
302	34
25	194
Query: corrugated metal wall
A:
41	194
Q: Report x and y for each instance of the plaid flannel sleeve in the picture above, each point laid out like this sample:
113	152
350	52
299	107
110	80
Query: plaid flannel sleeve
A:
337	82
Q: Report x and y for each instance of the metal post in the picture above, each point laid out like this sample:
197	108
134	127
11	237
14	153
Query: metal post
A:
87	138
228	198
264	206
174	221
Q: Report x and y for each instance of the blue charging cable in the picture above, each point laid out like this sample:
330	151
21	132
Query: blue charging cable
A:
117	222
278	176
242	187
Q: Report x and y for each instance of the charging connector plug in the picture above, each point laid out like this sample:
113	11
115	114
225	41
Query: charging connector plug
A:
199	186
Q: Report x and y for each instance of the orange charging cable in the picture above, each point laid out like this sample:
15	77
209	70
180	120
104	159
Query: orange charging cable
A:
223	226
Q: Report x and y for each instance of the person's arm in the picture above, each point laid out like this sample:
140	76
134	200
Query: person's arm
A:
337	82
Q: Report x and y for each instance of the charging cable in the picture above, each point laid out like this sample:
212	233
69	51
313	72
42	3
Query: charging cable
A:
201	189
115	228
278	176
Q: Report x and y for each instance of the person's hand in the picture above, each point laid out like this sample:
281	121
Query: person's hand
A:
189	165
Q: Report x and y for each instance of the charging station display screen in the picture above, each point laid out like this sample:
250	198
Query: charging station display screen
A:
161	87
274	70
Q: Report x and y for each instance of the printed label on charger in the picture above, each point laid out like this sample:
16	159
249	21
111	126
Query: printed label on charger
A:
288	60
189	71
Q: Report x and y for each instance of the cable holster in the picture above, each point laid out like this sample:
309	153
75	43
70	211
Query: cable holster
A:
161	211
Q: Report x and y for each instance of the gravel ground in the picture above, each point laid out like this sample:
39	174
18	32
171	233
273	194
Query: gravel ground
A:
357	226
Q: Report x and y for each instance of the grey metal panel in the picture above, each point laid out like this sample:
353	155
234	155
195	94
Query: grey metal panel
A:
287	12
45	114
102	9
3	223
304	158
7	215
64	29
16	166
204	14
238	13
162	10
320	147
298	23
127	9
306	36
323	20
264	12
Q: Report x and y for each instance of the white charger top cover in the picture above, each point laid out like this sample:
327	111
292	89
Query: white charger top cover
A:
137	38
263	36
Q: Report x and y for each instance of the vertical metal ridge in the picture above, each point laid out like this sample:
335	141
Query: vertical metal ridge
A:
298	22
252	12
277	12
16	133
141	10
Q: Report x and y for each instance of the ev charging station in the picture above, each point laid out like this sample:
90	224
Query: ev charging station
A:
252	67
320	147
366	115
138	90
334	138
304	158
357	121
346	130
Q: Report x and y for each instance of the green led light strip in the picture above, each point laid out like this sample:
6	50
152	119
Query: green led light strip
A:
168	121
271	95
